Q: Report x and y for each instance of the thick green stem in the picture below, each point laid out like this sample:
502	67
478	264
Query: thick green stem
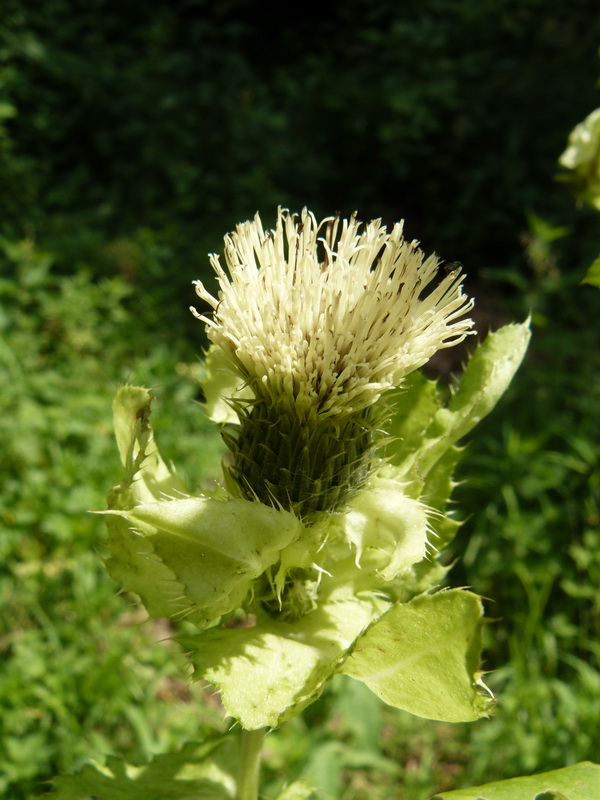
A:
249	768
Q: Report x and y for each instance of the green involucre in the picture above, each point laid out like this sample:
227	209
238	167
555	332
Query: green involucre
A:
299	461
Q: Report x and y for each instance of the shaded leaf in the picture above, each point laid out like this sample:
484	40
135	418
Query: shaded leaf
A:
593	274
411	411
197	772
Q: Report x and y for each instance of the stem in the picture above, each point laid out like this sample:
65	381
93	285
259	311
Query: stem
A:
249	768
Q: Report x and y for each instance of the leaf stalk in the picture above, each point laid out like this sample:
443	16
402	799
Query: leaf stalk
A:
249	766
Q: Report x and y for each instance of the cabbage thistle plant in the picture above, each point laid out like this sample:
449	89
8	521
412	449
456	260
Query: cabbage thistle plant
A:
318	554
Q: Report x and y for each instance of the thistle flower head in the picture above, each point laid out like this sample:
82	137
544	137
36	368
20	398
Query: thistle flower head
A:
329	315
320	320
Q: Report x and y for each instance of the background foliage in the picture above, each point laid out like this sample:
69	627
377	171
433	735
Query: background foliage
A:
132	136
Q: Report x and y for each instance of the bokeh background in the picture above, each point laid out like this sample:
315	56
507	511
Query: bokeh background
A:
133	135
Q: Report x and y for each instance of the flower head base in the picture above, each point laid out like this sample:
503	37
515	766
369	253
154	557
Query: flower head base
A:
320	320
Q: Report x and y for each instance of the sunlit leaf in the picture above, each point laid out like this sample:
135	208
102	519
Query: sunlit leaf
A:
269	672
423	657
578	782
488	374
212	549
298	791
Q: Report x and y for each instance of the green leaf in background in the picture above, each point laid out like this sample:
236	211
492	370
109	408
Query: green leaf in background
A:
578	782
269	672
423	657
298	791
593	274
199	771
582	157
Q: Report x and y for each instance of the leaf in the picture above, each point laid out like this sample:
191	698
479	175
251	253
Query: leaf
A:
423	430
582	157
298	791
423	657
593	274
198	772
387	528
134	565
488	374
222	384
577	782
435	495
270	672
412	409
196	555
146	475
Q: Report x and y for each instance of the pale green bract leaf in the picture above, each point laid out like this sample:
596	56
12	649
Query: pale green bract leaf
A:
413	407
215	549
131	412
577	782
435	495
222	384
134	565
138	451
421	453
423	657
270	672
488	374
199	771
387	528
184	556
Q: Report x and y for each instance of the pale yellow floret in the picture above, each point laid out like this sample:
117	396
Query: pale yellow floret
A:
327	314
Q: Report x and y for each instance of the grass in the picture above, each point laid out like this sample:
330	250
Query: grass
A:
82	674
85	674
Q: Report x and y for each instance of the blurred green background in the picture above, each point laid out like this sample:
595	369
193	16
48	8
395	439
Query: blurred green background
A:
132	137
